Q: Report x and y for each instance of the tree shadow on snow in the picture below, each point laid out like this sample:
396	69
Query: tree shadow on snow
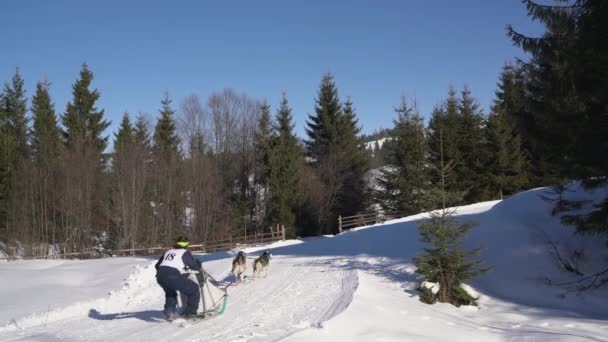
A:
148	315
391	271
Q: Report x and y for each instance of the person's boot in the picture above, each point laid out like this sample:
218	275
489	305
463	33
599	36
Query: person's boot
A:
169	316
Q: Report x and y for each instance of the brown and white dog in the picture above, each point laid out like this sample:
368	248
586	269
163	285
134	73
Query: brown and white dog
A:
239	265
260	264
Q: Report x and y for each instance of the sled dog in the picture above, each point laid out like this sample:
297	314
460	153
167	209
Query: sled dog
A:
261	263
238	266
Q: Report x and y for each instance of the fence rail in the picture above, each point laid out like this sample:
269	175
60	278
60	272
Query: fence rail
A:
365	219
276	233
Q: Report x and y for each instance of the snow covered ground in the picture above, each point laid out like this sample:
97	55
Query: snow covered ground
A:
358	286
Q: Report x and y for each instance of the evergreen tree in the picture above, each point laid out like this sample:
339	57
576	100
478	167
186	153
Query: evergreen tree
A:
283	173
403	181
167	194
83	122
445	118
322	128
124	138
14	107
471	174
506	162
354	164
46	135
85	190
141	132
166	141
445	262
567	92
13	142
262	147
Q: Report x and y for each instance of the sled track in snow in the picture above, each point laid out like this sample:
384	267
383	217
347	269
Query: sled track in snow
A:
297	293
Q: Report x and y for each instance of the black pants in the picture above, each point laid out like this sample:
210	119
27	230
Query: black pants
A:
173	283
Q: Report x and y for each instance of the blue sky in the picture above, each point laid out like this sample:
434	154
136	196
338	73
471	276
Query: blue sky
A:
377	50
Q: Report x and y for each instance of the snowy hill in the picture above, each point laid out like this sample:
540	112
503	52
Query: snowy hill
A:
358	286
373	145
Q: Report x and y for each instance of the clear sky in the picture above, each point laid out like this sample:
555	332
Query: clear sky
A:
376	49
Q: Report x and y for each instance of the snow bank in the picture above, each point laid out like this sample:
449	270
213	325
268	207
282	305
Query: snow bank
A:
41	286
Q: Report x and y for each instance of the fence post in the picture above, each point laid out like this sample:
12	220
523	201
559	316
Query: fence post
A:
339	223
283	231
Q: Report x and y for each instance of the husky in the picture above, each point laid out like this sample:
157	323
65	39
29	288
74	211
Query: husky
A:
261	263
239	265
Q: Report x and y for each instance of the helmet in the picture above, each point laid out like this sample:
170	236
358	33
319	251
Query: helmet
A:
182	241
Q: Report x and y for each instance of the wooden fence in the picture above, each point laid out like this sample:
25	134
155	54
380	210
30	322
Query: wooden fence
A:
365	219
277	233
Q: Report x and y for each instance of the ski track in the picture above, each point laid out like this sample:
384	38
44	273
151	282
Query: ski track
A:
296	294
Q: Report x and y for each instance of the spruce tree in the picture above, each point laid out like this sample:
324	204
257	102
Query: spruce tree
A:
322	148
471	174
445	118
85	188
123	138
83	122
403	181
445	262
166	141
46	135
283	173
322	128
13	143
141	133
506	163
567	91
166	195
354	164
338	155
14	107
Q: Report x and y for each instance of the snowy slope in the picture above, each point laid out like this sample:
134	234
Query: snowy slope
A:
358	286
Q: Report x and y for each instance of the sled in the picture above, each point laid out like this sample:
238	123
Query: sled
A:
214	298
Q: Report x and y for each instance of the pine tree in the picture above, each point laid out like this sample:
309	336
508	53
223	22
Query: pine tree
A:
166	195
46	135
123	139
322	128
13	143
14	106
506	162
404	180
445	262
354	164
283	173
166	141
471	174
445	118
567	91
83	122
262	150
141	133
85	190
